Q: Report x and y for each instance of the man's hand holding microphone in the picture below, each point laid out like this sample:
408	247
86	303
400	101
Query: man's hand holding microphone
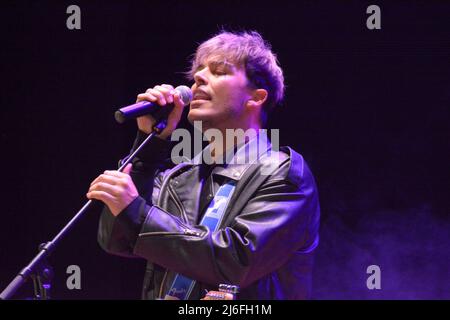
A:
115	188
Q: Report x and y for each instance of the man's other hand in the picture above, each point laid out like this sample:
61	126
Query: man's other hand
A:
115	189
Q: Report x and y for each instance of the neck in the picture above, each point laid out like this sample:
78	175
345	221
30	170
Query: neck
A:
231	138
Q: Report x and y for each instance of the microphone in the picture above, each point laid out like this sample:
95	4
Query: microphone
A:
146	107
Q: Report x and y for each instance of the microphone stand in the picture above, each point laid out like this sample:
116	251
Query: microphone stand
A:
38	268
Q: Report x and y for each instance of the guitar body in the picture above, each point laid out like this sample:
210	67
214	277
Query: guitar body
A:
226	292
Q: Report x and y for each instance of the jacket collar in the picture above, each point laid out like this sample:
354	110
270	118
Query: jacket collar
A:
240	160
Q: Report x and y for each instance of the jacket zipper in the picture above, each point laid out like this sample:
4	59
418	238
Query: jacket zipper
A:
186	232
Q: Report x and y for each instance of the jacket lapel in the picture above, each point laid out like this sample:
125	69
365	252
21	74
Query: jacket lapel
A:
186	186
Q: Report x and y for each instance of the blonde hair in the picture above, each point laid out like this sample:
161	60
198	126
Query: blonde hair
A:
251	51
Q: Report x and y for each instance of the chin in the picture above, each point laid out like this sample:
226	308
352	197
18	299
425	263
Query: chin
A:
198	115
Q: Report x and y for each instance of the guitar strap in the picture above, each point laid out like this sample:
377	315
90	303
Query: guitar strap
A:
182	286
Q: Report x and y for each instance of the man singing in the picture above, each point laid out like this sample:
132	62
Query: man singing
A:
246	221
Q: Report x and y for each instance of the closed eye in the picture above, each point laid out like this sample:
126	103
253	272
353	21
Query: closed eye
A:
219	72
220	67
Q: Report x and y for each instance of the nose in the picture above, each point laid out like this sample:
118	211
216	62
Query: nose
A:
200	77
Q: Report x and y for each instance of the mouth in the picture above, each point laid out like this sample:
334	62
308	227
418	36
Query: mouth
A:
198	100
196	103
200	95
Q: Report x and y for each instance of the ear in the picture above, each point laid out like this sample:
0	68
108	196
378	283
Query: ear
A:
257	99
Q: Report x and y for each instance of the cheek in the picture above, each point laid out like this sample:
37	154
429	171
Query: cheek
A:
230	95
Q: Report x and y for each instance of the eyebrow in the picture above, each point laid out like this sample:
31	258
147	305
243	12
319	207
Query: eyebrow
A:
217	63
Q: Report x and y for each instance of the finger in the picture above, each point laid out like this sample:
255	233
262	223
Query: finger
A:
100	195
168	86
168	93
105	178
161	100
105	187
127	168
115	173
94	181
146	96
179	103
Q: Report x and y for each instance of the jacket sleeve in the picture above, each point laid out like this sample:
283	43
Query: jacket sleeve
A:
280	219
117	235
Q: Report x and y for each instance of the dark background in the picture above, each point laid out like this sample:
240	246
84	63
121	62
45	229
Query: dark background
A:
368	109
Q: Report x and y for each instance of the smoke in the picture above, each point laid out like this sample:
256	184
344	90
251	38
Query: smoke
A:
411	247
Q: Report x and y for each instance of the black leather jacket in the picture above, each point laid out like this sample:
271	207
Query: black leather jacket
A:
265	242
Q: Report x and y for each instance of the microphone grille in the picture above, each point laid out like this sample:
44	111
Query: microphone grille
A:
185	94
